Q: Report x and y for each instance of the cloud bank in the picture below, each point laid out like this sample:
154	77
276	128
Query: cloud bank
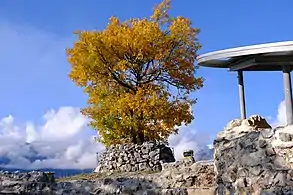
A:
62	141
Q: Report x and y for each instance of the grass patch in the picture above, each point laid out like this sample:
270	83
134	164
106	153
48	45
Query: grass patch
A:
97	176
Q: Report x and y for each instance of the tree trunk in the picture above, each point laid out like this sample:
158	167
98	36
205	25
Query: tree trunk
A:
134	139
140	133
140	137
132	131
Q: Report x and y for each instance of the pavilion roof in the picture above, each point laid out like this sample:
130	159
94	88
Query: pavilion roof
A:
262	57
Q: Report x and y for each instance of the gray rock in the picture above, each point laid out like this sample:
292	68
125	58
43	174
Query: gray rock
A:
286	137
256	170
243	172
270	151
280	179
267	133
30	183
262	143
143	166
262	166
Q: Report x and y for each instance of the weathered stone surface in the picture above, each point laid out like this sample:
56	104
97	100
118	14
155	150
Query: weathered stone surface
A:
232	124
174	180
286	137
130	158
256	121
26	183
188	174
251	157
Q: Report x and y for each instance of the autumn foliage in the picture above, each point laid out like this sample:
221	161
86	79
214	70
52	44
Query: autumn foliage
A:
138	75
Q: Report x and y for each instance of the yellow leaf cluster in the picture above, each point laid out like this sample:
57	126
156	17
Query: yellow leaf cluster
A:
138	75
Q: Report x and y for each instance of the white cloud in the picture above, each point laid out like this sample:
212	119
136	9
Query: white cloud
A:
280	120
62	141
190	139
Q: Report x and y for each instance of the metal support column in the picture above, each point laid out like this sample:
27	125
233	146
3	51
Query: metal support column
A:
241	95
288	94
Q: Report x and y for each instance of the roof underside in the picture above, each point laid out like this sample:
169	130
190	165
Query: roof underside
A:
265	57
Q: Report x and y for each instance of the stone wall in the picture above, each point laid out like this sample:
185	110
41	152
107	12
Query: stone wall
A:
179	178
131	158
187	174
251	157
26	183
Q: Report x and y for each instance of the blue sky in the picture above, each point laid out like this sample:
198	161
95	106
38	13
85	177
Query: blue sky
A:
34	35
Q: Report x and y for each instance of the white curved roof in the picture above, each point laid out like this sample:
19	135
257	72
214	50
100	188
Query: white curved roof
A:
221	58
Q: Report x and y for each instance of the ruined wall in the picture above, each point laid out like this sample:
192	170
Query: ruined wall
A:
180	178
27	183
131	157
252	157
188	174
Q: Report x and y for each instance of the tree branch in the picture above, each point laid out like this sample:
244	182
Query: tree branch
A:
115	77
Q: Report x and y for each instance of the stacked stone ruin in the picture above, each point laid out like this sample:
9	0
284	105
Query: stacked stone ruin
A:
131	157
251	157
174	179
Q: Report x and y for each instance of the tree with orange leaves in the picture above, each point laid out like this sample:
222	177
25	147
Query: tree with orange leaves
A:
138	75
